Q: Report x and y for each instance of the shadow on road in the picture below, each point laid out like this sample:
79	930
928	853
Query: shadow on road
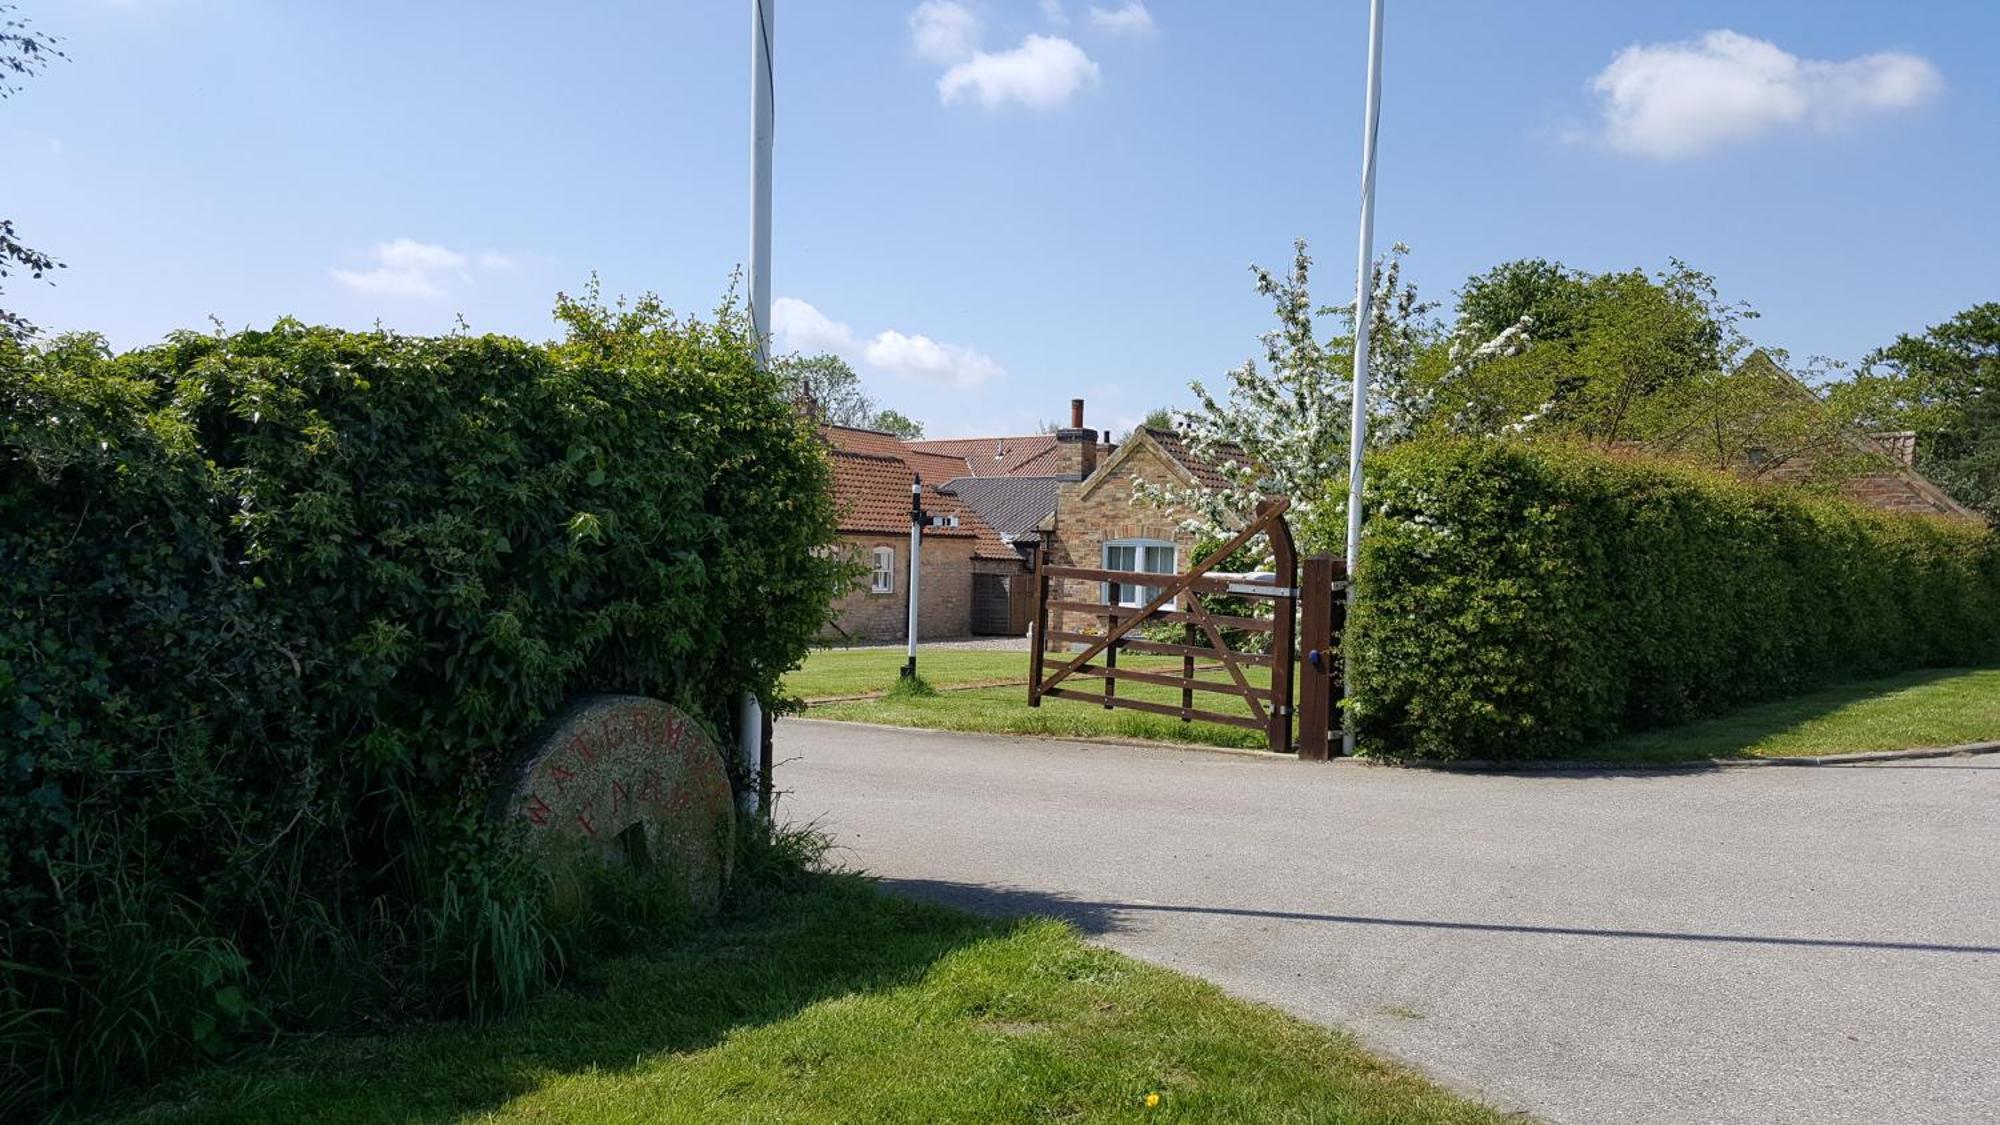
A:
1092	917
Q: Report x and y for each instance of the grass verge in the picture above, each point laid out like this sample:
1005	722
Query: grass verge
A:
1006	711
840	1003
832	673
1937	707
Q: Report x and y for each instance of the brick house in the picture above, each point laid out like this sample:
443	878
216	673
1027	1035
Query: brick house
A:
1070	489
872	477
1097	523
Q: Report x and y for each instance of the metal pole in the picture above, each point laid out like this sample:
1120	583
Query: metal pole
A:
762	122
1364	290
916	567
750	717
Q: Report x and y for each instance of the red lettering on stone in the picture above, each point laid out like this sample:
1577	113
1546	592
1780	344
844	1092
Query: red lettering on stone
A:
563	778
583	818
538	811
584	751
620	796
650	789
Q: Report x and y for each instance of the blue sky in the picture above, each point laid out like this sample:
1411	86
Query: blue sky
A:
991	207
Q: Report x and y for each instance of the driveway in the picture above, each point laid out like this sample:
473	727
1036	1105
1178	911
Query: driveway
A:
1754	945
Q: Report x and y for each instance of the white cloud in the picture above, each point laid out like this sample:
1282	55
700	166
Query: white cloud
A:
920	357
799	327
1042	73
1131	19
943	31
408	268
1668	100
1052	11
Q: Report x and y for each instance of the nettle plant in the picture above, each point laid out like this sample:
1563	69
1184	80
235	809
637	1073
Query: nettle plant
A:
1282	428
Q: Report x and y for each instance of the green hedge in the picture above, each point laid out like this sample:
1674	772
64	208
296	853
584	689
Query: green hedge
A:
280	606
1522	601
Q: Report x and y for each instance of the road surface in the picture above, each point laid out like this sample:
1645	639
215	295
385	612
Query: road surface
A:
1741	945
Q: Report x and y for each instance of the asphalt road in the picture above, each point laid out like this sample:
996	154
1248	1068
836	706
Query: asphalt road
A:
1744	945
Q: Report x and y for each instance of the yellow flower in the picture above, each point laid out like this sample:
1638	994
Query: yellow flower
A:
1152	1100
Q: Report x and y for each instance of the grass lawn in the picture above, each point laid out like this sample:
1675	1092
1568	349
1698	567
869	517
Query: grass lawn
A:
1937	707
839	1003
1006	711
833	672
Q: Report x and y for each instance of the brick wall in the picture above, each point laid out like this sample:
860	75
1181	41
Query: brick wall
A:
1092	513
946	593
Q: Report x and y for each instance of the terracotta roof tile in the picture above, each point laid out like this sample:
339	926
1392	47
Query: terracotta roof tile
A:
994	456
873	495
1205	473
850	439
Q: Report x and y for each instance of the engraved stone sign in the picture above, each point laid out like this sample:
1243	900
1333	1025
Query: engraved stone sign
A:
623	779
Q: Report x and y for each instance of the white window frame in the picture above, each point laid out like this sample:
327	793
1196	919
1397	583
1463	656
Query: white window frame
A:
882	570
1147	556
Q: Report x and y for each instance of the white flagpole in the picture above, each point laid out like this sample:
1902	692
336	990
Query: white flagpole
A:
750	717
761	124
1364	291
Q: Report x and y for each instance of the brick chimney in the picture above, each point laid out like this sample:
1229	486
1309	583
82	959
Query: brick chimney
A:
1076	447
1900	444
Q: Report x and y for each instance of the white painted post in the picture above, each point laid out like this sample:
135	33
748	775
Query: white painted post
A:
750	750
1364	290
916	567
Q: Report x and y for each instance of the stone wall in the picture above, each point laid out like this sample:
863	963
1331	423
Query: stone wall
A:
946	592
1091	513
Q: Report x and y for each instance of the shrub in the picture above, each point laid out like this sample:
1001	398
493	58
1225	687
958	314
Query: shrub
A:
279	607
1522	601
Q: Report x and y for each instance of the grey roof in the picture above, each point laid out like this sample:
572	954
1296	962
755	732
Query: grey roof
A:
1014	506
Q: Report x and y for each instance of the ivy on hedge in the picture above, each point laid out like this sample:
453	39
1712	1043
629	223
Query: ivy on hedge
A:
1522	601
279	607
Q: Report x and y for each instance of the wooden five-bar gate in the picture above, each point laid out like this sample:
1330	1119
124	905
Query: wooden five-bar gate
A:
1297	665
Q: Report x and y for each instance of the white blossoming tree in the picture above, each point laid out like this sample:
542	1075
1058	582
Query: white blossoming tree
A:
1282	427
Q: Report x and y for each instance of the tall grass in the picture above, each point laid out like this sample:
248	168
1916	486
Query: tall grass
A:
148	983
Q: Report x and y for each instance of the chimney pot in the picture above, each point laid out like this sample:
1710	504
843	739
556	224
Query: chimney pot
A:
1076	414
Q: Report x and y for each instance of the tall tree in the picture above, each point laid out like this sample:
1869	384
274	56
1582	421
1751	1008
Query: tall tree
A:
828	389
1944	383
23	53
1659	361
898	423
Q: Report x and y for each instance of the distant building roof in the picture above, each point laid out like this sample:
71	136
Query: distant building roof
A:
873	495
1013	506
1204	473
1032	455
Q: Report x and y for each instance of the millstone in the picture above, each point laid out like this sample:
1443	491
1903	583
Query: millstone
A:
626	780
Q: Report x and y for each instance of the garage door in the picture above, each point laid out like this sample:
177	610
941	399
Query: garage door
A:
990	614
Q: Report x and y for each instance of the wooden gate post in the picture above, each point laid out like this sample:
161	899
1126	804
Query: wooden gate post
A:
1284	611
1319	663
1040	644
